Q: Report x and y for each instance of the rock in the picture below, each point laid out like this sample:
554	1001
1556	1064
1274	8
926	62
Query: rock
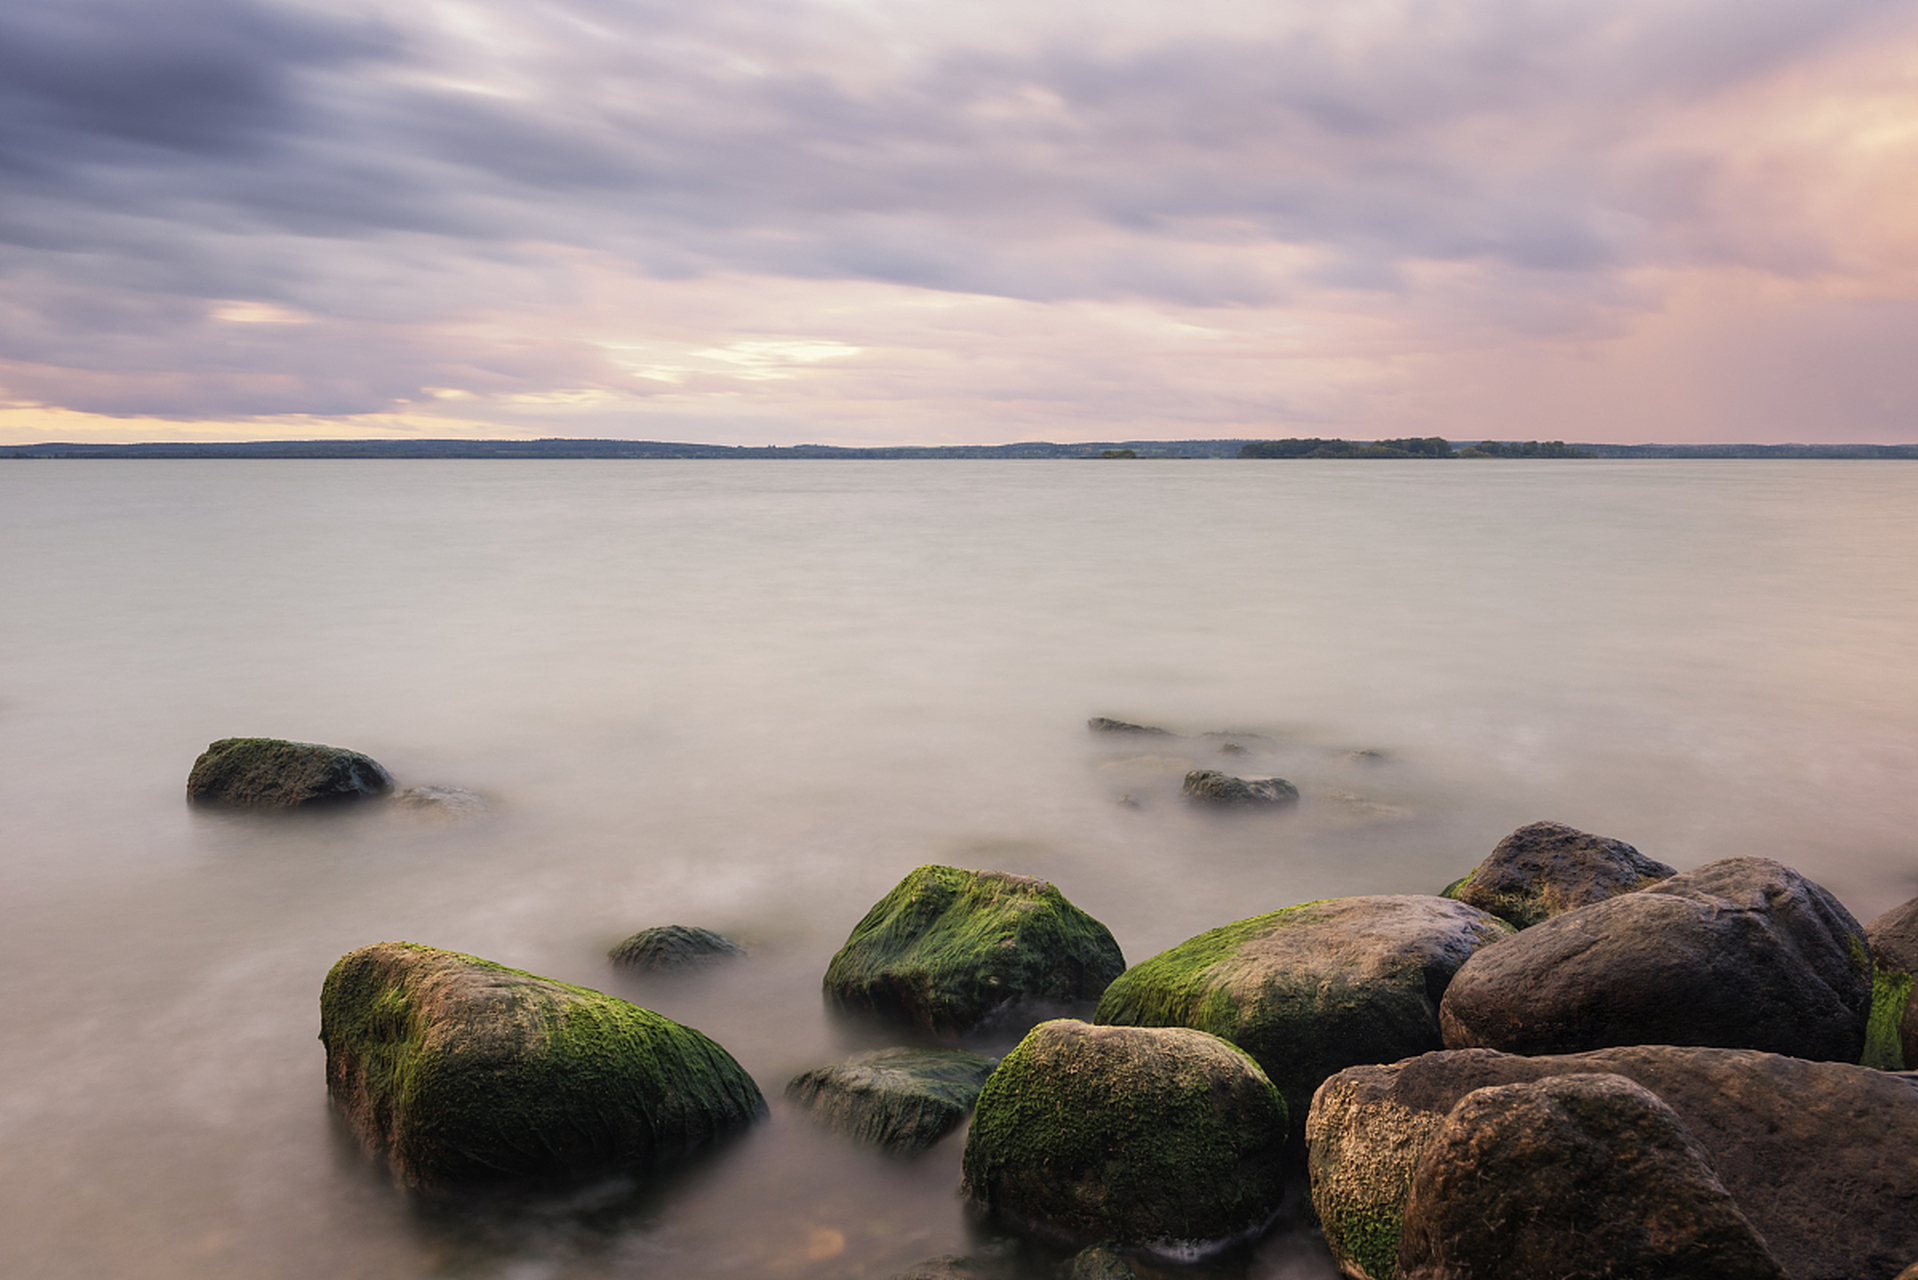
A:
1909	1273
1166	1137
268	773
1546	869
1210	787
445	805
674	948
948	950
902	1100
1743	953
952	1266
1100	1262
1312	989
1099	724
1821	1157
460	1071
1567	1178
1892	1033
1231	749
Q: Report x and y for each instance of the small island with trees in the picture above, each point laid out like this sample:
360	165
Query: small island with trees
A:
1411	447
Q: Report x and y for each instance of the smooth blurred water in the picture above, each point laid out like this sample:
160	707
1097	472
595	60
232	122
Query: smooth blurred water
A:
751	696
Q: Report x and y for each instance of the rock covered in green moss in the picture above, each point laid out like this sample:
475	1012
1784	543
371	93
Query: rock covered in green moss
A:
270	773
1311	989
1568	1178
1545	869
674	948
1210	787
947	950
1100	1262
1892	1034
1821	1157
1163	1137
1743	953
902	1100
460	1071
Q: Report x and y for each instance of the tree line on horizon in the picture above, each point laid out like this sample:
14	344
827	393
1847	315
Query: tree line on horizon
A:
1409	447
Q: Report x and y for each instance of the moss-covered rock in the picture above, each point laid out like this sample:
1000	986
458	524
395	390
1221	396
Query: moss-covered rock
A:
1100	1262
1891	1041
948	950
1743	953
673	948
902	1100
458	1071
270	773
1222	790
1312	989
1545	869
1162	1137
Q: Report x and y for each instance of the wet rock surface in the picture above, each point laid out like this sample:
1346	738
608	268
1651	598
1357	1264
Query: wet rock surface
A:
272	773
674	948
1545	869
1213	788
900	1100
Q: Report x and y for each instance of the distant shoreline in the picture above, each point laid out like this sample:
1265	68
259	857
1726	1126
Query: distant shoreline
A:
650	449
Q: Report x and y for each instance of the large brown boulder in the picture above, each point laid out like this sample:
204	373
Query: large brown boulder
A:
1312	989
1821	1157
1567	1178
270	773
1742	953
1893	1032
1545	869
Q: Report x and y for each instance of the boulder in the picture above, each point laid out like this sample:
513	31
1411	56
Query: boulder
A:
948	951
1567	1178
673	948
901	1100
268	773
1100	1262
1312	989
1546	869
1820	1157
1166	1138
460	1071
1743	953
1892	1035
1210	787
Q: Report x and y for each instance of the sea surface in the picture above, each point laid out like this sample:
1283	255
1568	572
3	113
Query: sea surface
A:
752	695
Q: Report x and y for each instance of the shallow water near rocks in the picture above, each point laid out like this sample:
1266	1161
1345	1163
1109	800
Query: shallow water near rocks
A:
751	696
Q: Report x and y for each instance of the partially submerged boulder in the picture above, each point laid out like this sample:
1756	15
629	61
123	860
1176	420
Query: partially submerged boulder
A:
901	1100
1311	989
1892	1034
1567	1178
460	1071
1545	869
1820	1157
1166	1138
674	948
444	805
948	951
1101	724
1742	953
1210	787
271	773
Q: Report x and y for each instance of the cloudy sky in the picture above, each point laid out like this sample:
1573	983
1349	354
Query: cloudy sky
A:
923	221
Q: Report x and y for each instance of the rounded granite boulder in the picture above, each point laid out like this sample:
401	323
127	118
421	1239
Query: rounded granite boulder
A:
1545	869
1312	989
1892	1043
1166	1138
271	773
950	951
459	1071
1743	953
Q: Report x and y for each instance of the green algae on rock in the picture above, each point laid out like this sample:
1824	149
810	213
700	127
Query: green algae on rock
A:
1162	1137
271	773
948	949
1892	1033
901	1100
1312	989
459	1071
1545	869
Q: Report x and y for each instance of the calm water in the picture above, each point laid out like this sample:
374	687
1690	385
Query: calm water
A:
751	696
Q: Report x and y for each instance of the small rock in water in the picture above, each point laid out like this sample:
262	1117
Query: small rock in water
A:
1209	786
442	804
1231	749
673	948
272	773
902	1100
1100	724
1100	1262
952	1266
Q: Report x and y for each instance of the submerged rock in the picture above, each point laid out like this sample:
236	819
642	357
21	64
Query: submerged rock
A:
1743	953
460	1071
442	804
1312	989
1546	869
953	1266
1892	1034
947	950
270	773
1100	724
1163	1137
1100	1262
1210	787
1820	1157
1567	1178
902	1100
674	948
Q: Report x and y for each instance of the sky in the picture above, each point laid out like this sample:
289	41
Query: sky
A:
869	222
